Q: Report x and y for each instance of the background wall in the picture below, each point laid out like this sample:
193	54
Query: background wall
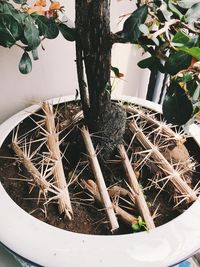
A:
54	74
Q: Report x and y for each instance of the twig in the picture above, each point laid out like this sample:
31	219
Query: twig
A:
174	176
64	202
99	179
134	185
126	217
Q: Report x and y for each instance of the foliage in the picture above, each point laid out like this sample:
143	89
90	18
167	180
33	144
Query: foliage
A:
140	225
27	26
169	31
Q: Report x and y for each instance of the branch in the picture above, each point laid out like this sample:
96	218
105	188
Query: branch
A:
116	38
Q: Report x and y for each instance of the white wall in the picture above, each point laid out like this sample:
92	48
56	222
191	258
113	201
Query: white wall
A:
54	74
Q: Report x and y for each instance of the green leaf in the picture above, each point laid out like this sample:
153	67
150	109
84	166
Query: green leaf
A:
20	1
193	14
35	54
151	63
31	34
177	61
193	51
116	71
181	38
25	64
175	10
177	108
131	31
10	30
47	27
9	9
68	33
187	3
136	227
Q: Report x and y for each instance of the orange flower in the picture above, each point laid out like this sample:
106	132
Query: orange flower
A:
54	6
40	3
36	9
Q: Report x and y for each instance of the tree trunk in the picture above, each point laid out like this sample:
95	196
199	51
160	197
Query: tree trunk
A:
93	52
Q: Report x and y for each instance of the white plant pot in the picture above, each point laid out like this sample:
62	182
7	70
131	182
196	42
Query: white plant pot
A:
52	247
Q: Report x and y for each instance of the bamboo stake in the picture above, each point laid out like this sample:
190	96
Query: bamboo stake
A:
99	179
64	202
126	217
39	180
161	125
181	186
138	194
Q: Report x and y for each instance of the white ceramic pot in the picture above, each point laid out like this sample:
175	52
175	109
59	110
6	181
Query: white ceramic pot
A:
52	247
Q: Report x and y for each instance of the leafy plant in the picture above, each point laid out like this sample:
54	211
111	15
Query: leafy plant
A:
27	26
140	225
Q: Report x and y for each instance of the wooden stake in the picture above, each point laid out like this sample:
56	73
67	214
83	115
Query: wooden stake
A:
181	186
99	179
64	202
40	181
138	194
126	217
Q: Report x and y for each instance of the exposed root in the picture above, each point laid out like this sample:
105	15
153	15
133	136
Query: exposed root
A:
126	217
99	179
136	189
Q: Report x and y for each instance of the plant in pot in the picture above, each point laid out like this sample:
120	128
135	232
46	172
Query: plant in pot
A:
118	139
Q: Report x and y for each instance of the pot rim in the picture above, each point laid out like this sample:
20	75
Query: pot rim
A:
28	236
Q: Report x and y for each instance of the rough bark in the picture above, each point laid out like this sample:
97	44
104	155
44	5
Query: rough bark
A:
93	58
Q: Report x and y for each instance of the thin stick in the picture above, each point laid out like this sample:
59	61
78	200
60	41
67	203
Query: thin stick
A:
39	180
174	176
126	217
99	179
64	202
134	185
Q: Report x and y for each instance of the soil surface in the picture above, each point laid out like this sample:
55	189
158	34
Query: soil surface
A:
88	217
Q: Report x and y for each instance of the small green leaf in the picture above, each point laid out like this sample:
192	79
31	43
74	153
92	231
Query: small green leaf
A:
177	107
181	38
47	27
140	221
68	33
31	34
187	3
193	14
131	31
193	51
20	1
151	63
25	64
136	227
35	54
116	71
177	61
175	10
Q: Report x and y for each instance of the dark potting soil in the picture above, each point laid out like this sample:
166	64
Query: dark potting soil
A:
88	217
